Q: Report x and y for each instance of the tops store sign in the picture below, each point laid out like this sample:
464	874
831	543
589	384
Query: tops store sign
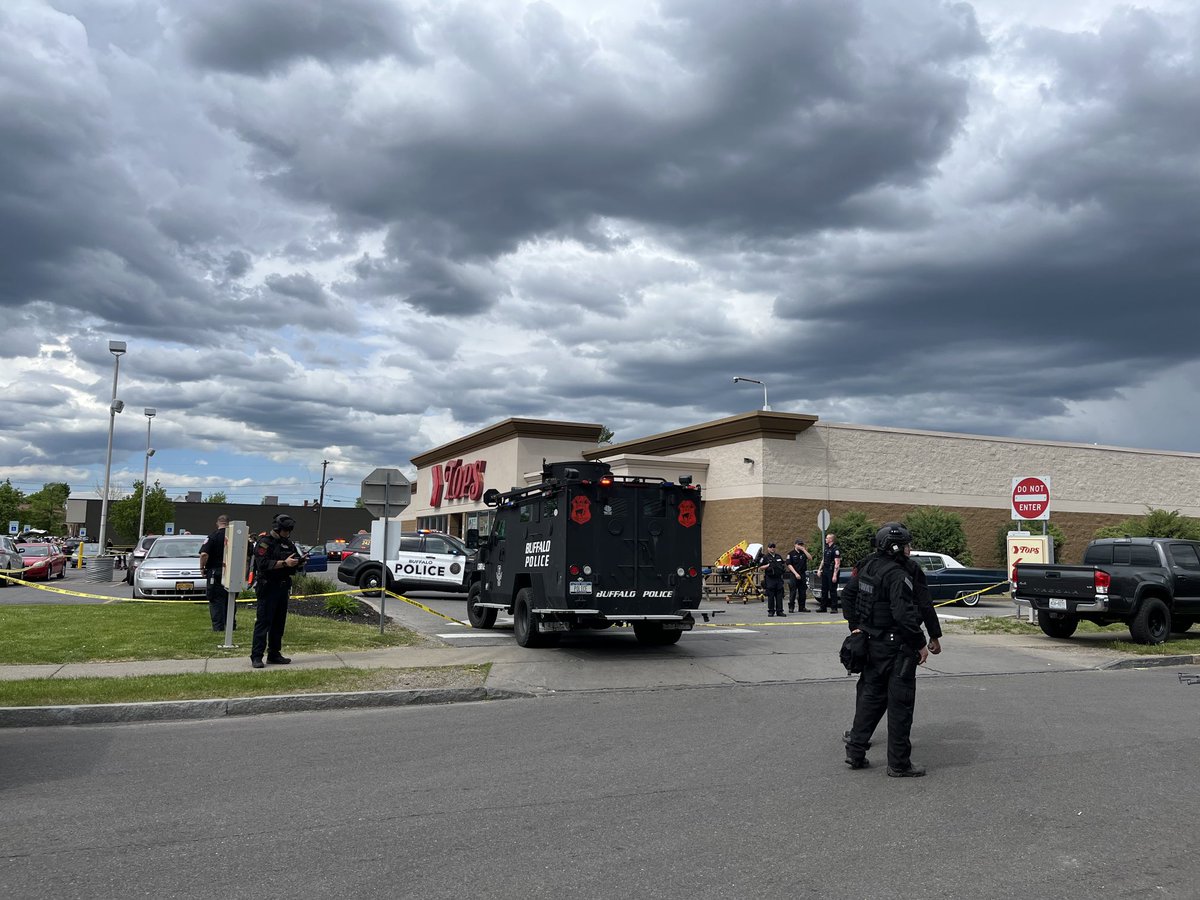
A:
454	481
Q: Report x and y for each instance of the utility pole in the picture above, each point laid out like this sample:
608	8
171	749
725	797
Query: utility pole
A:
321	502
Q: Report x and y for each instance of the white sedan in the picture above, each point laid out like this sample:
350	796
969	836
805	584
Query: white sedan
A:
171	570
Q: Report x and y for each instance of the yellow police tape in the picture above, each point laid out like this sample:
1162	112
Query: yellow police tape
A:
426	608
110	599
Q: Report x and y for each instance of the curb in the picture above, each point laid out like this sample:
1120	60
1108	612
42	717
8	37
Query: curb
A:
1148	662
179	710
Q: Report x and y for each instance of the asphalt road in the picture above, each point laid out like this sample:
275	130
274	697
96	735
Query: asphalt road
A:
1072	785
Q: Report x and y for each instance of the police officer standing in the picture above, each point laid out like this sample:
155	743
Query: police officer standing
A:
797	566
772	566
831	564
275	561
885	609
212	564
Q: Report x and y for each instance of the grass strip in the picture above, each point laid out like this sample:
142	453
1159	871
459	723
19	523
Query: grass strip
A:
210	685
48	634
1176	644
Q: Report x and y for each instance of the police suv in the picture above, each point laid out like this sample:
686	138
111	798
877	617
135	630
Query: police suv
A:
588	549
416	561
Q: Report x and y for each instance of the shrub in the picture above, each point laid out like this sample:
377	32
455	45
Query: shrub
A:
341	605
304	585
1155	523
938	531
854	533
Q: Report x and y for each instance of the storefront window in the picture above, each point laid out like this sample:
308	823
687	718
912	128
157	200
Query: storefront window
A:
434	523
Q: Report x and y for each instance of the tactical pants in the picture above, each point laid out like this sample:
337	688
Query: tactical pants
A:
829	598
888	684
797	592
773	588
218	605
271	618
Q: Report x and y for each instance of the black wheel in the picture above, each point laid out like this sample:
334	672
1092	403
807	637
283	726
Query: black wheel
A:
972	600
525	624
479	616
1180	624
62	573
1057	625
654	634
1151	623
371	581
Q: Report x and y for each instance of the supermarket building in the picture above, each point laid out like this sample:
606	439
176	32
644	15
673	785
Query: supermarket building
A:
766	475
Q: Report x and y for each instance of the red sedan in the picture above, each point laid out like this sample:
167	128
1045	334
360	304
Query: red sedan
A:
42	561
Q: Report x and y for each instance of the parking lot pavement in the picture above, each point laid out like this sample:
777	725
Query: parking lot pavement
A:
65	590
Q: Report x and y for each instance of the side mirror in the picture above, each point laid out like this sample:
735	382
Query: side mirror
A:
472	539
491	497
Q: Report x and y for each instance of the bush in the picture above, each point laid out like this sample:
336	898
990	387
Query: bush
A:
938	531
304	585
854	533
1155	523
1056	533
341	605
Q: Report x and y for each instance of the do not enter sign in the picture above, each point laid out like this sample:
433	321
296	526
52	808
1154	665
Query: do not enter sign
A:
1031	498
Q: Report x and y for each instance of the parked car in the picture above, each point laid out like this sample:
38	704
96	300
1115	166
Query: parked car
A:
427	561
42	560
170	569
318	560
137	555
10	560
335	550
949	579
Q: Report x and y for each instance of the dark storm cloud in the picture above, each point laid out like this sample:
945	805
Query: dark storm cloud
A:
257	37
299	287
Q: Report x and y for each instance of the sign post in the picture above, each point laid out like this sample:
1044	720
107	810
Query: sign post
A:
823	521
385	492
1031	498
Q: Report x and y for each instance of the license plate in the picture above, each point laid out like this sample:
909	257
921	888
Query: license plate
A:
1058	603
677	626
552	625
581	587
183	585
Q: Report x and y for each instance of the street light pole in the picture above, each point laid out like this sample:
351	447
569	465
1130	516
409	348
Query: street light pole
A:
150	413
321	500
766	407
116	348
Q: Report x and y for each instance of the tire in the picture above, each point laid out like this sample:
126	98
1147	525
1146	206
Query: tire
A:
1151	624
525	624
1057	625
371	580
479	616
62	573
655	635
968	601
1180	624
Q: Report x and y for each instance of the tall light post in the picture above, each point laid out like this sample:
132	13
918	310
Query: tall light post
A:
321	500
766	407
117	349
150	413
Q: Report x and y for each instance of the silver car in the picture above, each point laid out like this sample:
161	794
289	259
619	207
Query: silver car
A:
10	560
171	569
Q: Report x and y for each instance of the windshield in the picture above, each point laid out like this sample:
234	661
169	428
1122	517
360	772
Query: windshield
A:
35	550
173	549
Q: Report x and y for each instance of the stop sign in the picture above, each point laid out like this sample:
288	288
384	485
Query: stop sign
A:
1031	498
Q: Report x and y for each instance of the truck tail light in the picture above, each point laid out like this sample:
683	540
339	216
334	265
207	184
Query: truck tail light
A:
574	570
691	571
1103	581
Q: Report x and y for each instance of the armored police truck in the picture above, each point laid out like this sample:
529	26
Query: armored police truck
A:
588	549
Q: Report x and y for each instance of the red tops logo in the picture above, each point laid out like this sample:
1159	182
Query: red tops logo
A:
458	481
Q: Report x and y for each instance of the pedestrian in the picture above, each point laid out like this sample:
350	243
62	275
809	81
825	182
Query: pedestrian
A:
212	564
831	564
772	566
797	566
276	560
885	609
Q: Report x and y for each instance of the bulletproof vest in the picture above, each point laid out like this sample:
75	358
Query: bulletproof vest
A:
873	607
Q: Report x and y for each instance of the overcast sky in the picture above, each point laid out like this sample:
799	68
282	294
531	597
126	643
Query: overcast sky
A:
353	230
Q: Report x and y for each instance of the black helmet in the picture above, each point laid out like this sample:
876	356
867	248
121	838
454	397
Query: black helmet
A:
891	538
283	522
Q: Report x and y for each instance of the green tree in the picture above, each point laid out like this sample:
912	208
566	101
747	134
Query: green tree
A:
123	514
854	533
47	508
938	531
1155	523
12	500
1056	534
216	497
606	435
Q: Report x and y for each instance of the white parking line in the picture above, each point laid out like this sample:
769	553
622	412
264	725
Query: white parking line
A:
481	633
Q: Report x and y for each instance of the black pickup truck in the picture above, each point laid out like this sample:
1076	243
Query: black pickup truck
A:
1150	584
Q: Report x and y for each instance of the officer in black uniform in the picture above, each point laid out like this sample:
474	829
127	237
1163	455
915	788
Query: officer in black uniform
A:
772	566
885	608
831	564
276	559
797	565
212	564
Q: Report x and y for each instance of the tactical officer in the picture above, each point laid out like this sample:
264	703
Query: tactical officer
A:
831	564
212	564
772	566
275	561
885	609
797	566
